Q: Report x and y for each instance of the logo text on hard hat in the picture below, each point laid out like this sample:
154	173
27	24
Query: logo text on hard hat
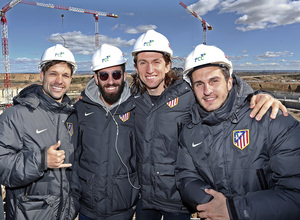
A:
60	54
106	59
200	58
148	43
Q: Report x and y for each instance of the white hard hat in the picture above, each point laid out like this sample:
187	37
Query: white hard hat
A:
152	41
107	56
204	55
58	52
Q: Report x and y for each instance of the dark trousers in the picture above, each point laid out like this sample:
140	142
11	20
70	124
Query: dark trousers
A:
1	206
153	214
128	215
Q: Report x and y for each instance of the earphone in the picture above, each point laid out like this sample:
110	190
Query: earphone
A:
116	148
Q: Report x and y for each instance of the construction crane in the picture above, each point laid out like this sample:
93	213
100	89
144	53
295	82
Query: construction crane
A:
205	25
95	13
5	52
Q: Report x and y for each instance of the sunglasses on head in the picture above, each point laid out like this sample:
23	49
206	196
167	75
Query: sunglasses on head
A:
116	75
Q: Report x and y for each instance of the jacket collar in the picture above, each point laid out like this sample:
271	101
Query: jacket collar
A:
33	96
178	88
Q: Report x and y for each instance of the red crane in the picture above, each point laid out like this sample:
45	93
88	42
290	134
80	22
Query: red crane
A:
67	8
205	25
5	52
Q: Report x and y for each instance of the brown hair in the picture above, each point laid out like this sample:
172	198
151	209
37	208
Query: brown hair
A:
47	65
224	69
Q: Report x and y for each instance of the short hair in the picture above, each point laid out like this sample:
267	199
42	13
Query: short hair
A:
224	69
51	63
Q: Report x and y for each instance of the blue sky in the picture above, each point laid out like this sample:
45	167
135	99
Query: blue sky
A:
255	34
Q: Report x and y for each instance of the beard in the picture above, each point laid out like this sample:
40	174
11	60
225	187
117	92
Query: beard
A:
112	97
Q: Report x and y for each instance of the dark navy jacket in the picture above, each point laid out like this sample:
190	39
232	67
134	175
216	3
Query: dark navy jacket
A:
106	155
255	164
157	129
27	130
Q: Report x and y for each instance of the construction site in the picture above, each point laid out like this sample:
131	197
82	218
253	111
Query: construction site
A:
285	86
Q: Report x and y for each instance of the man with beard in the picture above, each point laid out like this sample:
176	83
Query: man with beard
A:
107	186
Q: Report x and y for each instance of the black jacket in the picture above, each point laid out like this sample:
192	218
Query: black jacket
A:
27	130
157	129
255	164
106	155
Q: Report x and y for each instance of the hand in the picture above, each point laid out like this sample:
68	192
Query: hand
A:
78	98
55	158
262	102
216	209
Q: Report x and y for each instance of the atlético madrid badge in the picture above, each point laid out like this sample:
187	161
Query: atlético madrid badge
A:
124	117
241	138
173	103
70	128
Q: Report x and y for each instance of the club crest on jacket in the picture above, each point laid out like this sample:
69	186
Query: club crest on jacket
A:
241	138
70	128
173	102
124	117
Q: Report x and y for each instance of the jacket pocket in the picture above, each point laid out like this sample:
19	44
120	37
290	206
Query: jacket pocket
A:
37	207
125	193
165	184
89	185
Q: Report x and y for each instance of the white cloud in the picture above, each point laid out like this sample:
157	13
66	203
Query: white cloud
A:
269	64
85	44
25	60
271	55
129	14
254	14
263	14
140	29
203	6
115	27
235	58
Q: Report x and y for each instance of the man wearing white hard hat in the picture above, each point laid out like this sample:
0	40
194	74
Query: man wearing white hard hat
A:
108	185
163	102
36	143
230	166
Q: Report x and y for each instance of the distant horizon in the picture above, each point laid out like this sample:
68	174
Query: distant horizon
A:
131	71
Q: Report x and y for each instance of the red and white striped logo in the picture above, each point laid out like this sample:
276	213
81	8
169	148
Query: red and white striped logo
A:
173	103
241	138
124	117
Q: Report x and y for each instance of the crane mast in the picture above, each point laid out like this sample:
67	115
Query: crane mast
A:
5	52
80	10
205	25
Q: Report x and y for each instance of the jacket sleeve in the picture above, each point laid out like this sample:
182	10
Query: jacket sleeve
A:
282	199
75	182
19	166
191	186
